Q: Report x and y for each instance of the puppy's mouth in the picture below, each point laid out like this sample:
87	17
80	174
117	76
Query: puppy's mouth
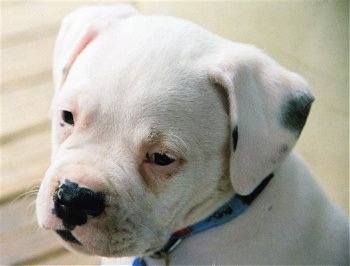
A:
68	236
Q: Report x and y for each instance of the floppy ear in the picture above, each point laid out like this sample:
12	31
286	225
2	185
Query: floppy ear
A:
268	109
80	28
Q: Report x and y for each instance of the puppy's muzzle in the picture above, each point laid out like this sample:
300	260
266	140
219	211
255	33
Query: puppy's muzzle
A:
74	204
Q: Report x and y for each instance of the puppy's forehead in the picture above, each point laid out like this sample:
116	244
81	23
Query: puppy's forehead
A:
139	47
142	74
140	62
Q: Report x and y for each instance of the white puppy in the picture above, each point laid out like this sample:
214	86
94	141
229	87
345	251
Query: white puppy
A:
165	133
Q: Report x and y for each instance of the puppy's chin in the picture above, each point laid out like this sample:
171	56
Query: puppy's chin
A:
87	244
73	247
79	248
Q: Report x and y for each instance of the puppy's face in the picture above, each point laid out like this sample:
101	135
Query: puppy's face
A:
155	123
146	131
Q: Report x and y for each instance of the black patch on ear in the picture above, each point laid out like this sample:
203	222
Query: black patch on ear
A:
295	111
235	138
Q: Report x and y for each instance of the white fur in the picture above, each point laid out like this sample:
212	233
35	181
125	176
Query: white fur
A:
142	84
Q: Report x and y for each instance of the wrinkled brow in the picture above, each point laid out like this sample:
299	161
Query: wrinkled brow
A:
168	142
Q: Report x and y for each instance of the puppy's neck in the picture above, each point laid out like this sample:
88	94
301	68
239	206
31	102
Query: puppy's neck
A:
221	195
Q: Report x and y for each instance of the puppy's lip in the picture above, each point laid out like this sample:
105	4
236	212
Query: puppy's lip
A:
68	236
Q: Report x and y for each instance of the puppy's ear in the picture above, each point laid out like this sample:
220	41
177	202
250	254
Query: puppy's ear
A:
78	30
268	108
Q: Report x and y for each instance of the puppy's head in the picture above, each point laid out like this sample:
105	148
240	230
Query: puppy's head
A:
156	122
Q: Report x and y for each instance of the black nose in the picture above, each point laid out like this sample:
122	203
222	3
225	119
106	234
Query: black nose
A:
73	204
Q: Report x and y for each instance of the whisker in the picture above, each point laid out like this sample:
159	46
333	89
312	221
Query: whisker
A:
28	193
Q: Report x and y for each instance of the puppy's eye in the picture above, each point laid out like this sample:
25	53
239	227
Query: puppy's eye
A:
160	159
67	117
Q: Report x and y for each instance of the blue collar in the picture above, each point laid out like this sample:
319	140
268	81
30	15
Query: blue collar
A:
227	212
